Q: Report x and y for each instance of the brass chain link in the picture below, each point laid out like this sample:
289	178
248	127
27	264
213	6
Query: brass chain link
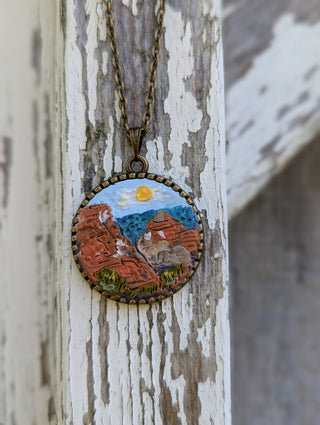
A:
149	99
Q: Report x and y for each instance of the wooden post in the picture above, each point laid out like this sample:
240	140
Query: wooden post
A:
29	138
102	362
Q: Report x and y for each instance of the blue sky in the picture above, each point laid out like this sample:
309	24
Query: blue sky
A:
121	197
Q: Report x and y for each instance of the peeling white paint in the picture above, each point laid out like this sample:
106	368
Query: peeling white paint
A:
118	164
184	311
179	101
92	63
204	338
155	155
176	385
132	4
211	8
108	160
140	350
215	159
75	107
266	106
105	60
204	37
222	388
100	8
220	412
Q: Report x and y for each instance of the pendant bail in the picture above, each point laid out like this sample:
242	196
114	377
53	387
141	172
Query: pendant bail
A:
135	138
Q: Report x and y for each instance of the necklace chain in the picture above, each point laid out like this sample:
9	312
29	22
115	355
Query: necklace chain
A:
149	99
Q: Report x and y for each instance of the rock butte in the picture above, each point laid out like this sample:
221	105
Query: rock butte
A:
165	242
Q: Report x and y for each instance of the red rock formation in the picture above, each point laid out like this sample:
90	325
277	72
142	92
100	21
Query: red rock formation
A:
190	239
101	245
166	241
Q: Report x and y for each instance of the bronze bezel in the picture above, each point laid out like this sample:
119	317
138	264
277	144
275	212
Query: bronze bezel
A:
130	176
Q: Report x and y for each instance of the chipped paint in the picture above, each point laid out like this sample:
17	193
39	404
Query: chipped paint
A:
155	155
146	365
179	101
29	116
132	4
285	116
75	107
214	156
108	161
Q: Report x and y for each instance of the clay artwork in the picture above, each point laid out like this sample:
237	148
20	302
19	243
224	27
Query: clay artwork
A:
137	240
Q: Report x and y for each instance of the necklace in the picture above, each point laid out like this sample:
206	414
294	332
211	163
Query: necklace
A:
137	237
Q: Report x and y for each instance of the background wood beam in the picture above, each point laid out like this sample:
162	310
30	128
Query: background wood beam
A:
272	89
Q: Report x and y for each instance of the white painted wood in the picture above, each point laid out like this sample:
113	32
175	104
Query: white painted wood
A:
27	251
67	355
166	363
273	91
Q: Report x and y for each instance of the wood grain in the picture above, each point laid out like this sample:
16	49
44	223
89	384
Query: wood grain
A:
169	362
68	355
272	90
28	139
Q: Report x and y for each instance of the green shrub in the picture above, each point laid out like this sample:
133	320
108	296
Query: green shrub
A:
111	282
149	290
130	293
169	277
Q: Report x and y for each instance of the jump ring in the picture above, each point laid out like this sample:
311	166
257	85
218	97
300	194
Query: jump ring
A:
144	164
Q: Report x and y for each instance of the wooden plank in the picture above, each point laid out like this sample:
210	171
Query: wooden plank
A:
169	362
275	315
27	244
273	90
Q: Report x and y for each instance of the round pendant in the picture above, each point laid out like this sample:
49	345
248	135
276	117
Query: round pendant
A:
137	238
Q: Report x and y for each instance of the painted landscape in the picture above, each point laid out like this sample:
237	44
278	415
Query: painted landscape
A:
142	254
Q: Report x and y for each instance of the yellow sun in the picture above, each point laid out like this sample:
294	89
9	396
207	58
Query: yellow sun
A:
144	193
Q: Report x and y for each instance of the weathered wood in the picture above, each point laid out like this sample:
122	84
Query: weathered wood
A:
67	355
169	362
272	89
27	244
275	314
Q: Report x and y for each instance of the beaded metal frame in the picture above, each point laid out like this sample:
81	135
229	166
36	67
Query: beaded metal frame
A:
111	181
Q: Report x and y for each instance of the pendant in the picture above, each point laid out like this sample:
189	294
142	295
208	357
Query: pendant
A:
137	238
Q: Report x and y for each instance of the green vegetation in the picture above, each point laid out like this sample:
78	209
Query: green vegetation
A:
111	282
149	290
130	293
169	277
